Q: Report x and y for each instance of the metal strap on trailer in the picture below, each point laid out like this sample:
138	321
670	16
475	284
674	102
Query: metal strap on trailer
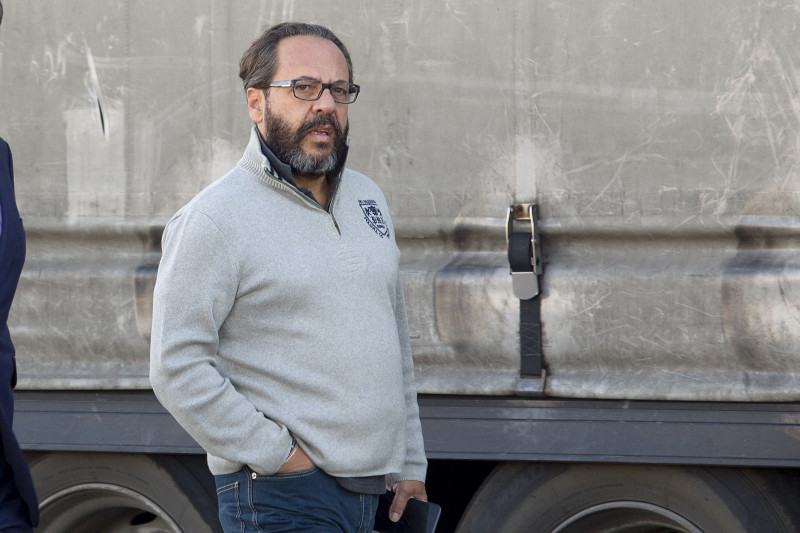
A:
524	259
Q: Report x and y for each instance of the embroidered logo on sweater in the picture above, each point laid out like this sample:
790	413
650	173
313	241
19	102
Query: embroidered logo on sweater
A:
374	217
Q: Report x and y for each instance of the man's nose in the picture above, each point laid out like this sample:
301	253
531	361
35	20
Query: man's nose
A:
325	103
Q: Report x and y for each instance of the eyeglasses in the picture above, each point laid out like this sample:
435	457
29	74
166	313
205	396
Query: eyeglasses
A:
306	89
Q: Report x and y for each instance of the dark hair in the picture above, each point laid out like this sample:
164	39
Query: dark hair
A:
1	12
259	62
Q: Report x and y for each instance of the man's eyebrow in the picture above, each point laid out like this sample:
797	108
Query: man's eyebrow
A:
312	78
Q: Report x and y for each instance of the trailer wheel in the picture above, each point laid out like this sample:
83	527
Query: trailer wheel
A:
554	498
124	493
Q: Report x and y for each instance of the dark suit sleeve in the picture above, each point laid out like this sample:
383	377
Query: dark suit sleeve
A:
12	253
8	161
12	257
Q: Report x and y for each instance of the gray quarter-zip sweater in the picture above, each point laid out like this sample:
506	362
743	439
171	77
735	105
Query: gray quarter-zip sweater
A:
274	318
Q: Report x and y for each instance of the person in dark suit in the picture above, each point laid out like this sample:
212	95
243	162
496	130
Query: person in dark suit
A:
19	511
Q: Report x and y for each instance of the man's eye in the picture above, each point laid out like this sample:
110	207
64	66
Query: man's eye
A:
339	91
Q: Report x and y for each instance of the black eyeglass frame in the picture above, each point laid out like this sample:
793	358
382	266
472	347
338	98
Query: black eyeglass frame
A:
352	88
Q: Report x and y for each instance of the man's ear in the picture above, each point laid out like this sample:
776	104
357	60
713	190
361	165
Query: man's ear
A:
255	104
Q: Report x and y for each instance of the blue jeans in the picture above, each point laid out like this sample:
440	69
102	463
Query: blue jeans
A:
303	502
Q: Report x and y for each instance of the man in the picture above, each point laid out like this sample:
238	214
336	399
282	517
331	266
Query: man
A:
280	339
19	510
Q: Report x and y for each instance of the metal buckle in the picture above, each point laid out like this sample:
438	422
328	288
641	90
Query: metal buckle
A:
526	284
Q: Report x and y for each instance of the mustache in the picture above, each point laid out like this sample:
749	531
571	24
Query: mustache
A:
321	120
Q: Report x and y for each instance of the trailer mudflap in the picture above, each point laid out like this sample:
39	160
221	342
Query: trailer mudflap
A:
524	259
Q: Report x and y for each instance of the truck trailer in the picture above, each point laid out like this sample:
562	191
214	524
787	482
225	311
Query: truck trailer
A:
598	208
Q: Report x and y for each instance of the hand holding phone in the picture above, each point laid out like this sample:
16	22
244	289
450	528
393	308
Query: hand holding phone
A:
419	516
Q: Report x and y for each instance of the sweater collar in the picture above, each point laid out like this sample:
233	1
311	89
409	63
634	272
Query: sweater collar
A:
279	169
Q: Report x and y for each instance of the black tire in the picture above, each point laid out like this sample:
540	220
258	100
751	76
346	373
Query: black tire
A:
124	493
559	498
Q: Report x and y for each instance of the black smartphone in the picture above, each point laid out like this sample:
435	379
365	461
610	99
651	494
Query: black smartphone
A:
419	517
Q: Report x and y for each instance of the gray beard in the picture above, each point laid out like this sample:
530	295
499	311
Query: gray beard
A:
303	163
285	144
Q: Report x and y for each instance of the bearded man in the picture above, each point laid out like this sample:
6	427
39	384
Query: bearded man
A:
280	340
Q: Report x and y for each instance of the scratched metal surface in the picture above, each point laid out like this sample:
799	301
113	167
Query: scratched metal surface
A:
659	138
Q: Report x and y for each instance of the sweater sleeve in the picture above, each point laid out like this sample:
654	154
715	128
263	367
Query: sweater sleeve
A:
416	464
195	290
